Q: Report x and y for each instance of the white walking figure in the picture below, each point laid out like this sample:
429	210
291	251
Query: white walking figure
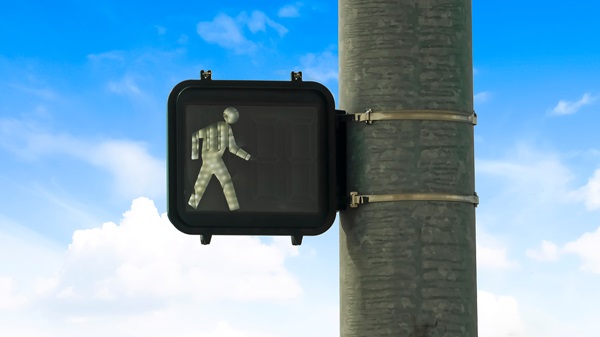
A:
217	137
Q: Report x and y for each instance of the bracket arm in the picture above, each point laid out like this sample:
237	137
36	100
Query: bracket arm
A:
357	199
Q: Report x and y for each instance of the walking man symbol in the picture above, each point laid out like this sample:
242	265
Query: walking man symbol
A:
217	137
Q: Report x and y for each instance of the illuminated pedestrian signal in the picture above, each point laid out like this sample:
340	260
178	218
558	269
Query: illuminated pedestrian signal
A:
216	138
251	158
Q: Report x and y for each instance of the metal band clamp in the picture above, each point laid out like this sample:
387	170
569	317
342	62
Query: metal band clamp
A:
433	115
356	199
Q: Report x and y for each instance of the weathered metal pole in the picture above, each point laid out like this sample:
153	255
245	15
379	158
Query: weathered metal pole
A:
408	267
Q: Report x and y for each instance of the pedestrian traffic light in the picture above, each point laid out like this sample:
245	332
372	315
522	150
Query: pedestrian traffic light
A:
251	157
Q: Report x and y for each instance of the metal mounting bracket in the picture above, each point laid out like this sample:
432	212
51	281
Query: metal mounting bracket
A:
206	75
432	115
356	199
296	76
205	239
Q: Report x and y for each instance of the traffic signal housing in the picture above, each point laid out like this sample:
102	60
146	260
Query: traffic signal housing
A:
251	158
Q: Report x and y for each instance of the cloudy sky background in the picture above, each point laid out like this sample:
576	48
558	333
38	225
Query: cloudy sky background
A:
85	245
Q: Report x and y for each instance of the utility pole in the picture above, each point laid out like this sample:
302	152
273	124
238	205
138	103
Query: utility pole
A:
408	268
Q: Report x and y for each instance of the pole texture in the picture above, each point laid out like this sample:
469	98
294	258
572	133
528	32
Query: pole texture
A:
408	268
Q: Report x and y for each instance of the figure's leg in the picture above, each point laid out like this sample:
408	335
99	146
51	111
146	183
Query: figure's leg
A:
200	185
225	179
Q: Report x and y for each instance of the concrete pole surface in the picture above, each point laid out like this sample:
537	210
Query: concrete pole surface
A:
408	268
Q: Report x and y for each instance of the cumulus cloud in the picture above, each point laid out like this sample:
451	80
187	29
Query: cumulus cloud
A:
498	316
224	329
547	252
492	253
229	32
590	192
145	256
565	107
493	258
9	299
224	31
141	273
586	247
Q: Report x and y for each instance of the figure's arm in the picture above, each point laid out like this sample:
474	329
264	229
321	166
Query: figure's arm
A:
236	150
196	136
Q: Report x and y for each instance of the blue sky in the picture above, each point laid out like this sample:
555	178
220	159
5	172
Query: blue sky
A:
84	242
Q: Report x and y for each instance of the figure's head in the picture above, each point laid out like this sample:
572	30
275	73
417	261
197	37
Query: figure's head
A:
231	115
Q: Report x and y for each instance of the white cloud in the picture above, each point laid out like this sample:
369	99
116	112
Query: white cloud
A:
8	298
228	32
145	256
498	316
492	253
527	198
587	248
530	174
24	257
224	31
223	329
547	252
135	171
569	107
320	67
493	258
590	192
142	275
259	21
290	11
